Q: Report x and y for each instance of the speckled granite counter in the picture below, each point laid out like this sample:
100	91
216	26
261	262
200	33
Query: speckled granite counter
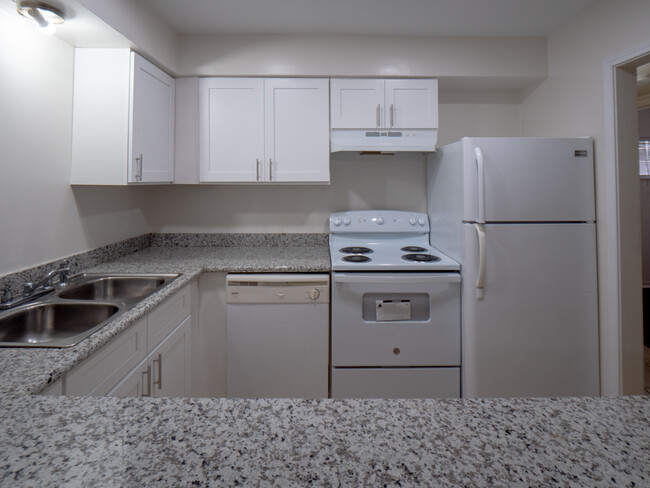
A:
31	370
55	441
50	441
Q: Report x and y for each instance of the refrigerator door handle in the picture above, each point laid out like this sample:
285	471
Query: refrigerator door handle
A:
480	279
481	185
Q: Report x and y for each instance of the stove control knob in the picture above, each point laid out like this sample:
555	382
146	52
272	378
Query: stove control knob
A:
337	221
422	221
412	221
380	221
347	221
314	294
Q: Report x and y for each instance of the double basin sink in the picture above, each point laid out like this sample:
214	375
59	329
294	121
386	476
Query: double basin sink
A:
69	314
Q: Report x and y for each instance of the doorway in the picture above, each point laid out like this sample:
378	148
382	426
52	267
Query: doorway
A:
622	351
643	98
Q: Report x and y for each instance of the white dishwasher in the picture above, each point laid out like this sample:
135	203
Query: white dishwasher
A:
277	335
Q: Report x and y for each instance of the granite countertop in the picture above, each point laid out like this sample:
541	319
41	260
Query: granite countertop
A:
68	441
30	370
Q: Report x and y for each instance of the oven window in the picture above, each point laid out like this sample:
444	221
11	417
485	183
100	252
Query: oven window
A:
395	307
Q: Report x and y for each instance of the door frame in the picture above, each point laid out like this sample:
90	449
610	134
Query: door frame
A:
618	332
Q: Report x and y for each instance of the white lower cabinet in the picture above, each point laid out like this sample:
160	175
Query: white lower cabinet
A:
152	358
165	372
131	386
101	371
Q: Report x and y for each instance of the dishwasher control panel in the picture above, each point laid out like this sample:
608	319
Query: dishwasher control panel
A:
278	288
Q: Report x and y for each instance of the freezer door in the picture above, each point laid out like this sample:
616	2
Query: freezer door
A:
534	332
526	179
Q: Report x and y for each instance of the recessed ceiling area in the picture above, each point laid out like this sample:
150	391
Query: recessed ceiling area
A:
473	18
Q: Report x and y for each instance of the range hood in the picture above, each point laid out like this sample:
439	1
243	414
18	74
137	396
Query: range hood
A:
383	140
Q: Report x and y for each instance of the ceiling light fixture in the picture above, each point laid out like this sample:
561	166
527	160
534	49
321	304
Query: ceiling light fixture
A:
45	16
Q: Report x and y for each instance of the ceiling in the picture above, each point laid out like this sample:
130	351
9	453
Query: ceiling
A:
369	17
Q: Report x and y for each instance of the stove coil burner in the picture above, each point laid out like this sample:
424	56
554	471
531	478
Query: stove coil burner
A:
356	250
413	249
421	258
356	258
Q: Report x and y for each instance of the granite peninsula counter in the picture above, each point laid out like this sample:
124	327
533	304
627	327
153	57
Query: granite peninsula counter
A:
71	441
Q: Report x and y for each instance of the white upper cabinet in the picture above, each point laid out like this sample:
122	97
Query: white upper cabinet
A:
297	130
384	104
264	130
123	119
152	136
357	104
411	104
231	129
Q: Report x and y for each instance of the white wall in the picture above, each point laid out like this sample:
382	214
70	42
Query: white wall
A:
570	102
149	34
41	217
55	220
644	123
357	183
508	60
475	113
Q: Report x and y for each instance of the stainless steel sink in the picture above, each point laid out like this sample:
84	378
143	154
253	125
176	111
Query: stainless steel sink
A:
53	324
69	314
113	288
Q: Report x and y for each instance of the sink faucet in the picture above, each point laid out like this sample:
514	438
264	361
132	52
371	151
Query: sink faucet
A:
30	288
35	290
7	296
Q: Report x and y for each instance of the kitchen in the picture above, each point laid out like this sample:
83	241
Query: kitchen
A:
486	76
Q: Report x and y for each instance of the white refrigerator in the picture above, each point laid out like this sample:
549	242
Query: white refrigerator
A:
519	215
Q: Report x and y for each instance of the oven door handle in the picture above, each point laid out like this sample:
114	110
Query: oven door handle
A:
406	278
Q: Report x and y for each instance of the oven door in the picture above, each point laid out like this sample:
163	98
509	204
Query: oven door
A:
395	319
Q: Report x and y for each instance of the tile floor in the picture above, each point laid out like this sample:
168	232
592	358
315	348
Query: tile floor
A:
646	369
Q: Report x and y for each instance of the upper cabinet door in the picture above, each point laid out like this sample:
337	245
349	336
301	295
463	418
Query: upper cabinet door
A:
411	104
122	119
231	130
297	130
152	129
357	104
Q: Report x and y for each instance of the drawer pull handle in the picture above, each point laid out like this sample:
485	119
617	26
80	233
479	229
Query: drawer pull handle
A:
396	351
147	373
158	382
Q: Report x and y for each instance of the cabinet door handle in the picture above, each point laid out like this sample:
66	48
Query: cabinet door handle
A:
378	115
257	169
147	373
270	169
392	117
138	168
158	382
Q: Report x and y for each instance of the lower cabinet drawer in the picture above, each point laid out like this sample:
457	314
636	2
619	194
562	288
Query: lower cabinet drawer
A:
395	382
166	316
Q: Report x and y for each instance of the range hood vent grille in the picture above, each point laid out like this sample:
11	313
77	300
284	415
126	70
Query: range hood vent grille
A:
377	140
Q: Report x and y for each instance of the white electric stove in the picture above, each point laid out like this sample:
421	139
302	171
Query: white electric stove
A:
395	308
388	240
